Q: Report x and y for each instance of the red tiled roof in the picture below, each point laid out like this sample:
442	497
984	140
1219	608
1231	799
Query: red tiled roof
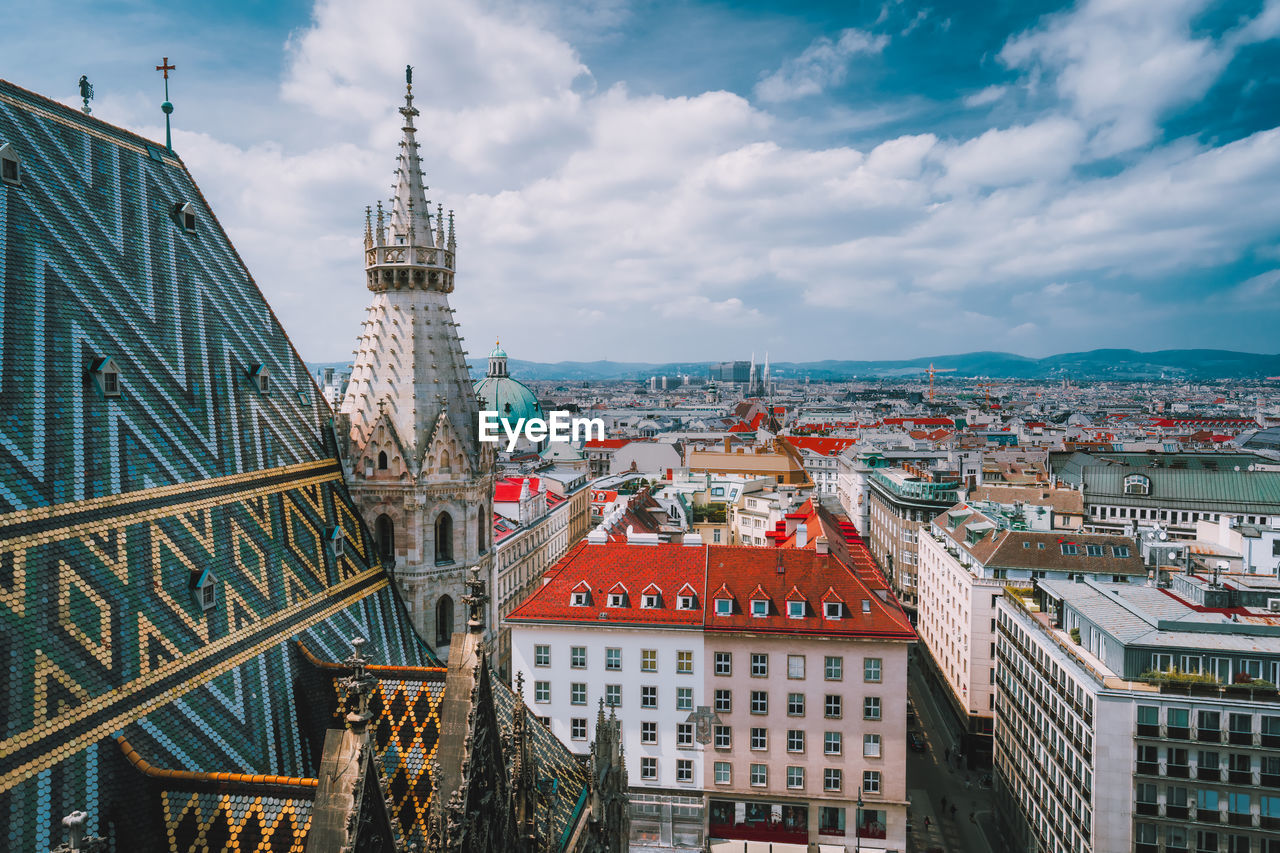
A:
508	490
601	567
920	422
819	444
615	443
741	427
812	575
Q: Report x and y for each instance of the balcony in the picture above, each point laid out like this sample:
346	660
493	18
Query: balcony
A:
914	488
1178	771
1147	808
1238	819
1208	816
1270	780
1240	738
1209	735
1149	768
1178	812
1240	777
1208	774
1179	733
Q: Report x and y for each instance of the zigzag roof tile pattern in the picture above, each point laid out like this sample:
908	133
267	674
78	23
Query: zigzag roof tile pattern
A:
113	507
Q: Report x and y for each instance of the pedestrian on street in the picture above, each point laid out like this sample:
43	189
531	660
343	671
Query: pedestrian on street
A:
946	754
926	822
972	819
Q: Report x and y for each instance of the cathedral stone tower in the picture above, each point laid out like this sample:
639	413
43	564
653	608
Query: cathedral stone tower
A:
417	470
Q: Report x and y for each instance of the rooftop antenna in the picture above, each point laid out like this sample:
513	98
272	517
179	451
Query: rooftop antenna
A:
166	107
86	93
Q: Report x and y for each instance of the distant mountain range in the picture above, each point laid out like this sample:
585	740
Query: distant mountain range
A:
1199	364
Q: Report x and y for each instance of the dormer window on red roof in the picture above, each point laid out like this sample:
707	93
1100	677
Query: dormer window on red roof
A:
832	609
687	599
759	605
651	597
580	595
618	596
797	604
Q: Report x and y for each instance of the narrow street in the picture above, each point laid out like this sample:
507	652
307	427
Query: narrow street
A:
931	783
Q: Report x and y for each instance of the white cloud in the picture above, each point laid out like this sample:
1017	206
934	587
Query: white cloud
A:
989	95
1122	64
823	64
683	221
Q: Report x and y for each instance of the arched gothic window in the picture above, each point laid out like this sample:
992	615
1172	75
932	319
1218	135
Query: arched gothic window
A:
385	530
382	460
444	620
444	538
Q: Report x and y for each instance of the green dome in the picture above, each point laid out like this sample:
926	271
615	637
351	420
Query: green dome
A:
509	398
498	351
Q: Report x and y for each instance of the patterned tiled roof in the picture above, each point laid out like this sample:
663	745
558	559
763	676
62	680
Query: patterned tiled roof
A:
113	507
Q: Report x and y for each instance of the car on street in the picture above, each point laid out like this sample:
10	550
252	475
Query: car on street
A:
915	741
911	712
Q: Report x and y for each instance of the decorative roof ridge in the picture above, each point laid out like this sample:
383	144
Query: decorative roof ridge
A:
81	117
419	673
221	781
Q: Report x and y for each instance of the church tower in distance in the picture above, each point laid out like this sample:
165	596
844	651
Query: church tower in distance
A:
415	466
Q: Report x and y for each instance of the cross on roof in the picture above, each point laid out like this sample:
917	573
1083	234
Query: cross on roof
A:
166	67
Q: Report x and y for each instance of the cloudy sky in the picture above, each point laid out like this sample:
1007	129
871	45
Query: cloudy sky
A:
683	181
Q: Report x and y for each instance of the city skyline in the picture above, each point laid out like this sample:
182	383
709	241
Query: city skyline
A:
693	180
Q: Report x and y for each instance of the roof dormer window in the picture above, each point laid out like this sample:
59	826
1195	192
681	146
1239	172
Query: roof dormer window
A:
795	609
832	609
724	606
10	166
184	214
337	539
650	601
260	375
686	602
205	587
1137	484
618	596
106	375
759	607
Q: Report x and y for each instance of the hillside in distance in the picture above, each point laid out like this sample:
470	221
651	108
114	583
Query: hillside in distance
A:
1101	364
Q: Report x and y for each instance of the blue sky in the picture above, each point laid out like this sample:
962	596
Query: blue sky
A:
677	180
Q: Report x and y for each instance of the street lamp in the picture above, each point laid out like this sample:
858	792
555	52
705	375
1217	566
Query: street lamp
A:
857	824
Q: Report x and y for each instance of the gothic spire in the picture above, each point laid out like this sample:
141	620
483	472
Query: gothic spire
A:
410	210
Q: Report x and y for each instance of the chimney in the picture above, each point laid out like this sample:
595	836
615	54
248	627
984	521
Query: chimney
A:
726	444
802	535
780	569
820	545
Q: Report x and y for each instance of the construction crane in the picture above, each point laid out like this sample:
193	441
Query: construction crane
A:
986	392
932	370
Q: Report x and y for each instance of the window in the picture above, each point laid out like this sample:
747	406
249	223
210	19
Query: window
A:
648	696
832	743
871	708
724	663
542	691
684	770
648	660
866	604
832	610
107	376
871	669
759	702
832	780
577	693
795	609
648	731
9	165
1136	484
759	607
613	695
795	740
722	737
684	735
685	602
1093	550
723	701
580	598
723	773
613	659
578	728
648	768
578	657
260	376
542	656
684	663
833	668
795	666
684	698
759	666
830	818
759	738
795	704
795	777
617	599
832	707
870	781
1069	549
871	746
724	606
1161	662
649	600
759	775
208	591
1120	551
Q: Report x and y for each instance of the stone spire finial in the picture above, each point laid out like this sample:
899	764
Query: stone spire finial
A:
358	685
368	227
452	245
382	230
410	210
439	224
475	600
